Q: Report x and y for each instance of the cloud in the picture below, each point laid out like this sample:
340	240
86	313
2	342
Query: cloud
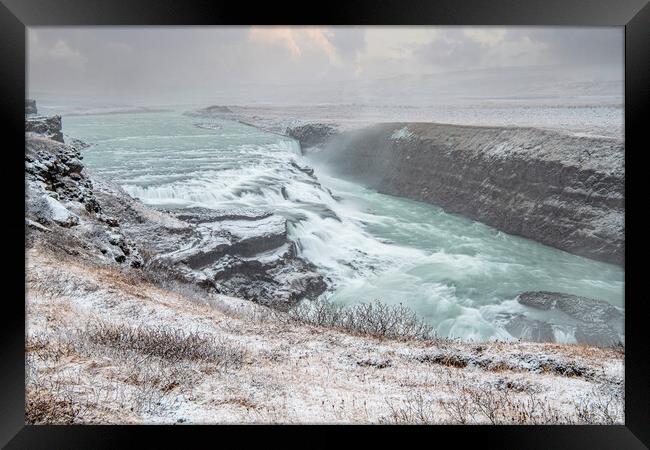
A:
271	36
207	62
297	40
486	36
582	46
60	52
338	44
349	42
487	47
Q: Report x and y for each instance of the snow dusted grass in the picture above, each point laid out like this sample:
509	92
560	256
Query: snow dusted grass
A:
148	364
500	407
107	346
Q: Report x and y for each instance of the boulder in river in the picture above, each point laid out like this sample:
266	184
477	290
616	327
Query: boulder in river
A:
595	322
527	329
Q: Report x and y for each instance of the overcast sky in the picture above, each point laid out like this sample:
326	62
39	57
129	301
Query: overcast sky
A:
244	63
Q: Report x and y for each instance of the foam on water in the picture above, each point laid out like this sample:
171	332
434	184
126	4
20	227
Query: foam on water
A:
457	274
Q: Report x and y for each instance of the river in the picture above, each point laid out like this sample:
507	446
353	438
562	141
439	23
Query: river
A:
457	274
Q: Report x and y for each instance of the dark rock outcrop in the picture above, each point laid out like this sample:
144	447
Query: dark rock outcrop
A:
580	308
203	215
561	190
30	107
49	126
306	170
312	134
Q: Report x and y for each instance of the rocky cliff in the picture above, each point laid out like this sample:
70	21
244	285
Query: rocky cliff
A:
49	126
246	253
561	190
312	134
61	209
30	107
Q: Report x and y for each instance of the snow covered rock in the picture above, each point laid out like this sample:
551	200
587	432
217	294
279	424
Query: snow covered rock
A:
243	252
59	213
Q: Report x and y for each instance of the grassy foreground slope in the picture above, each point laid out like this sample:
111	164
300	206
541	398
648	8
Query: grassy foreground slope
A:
105	345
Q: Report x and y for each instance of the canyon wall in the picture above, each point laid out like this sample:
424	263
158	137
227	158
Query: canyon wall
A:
561	190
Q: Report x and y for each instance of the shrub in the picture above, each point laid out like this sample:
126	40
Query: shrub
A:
58	283
415	410
167	343
604	405
371	319
149	368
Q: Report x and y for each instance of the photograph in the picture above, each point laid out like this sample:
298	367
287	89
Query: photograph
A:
325	225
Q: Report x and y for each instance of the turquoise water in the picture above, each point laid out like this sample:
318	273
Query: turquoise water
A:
456	273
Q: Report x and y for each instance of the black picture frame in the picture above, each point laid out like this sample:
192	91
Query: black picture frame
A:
16	15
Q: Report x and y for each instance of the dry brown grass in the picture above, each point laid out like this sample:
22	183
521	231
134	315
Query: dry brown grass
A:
58	283
170	344
238	401
42	407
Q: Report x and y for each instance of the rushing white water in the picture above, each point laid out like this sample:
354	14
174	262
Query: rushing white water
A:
456	273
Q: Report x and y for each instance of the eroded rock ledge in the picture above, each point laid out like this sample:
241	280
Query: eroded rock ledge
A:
240	252
561	190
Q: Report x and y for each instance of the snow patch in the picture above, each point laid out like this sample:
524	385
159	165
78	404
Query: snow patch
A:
402	133
59	213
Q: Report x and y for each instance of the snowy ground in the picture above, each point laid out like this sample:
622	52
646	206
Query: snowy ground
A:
597	118
88	328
